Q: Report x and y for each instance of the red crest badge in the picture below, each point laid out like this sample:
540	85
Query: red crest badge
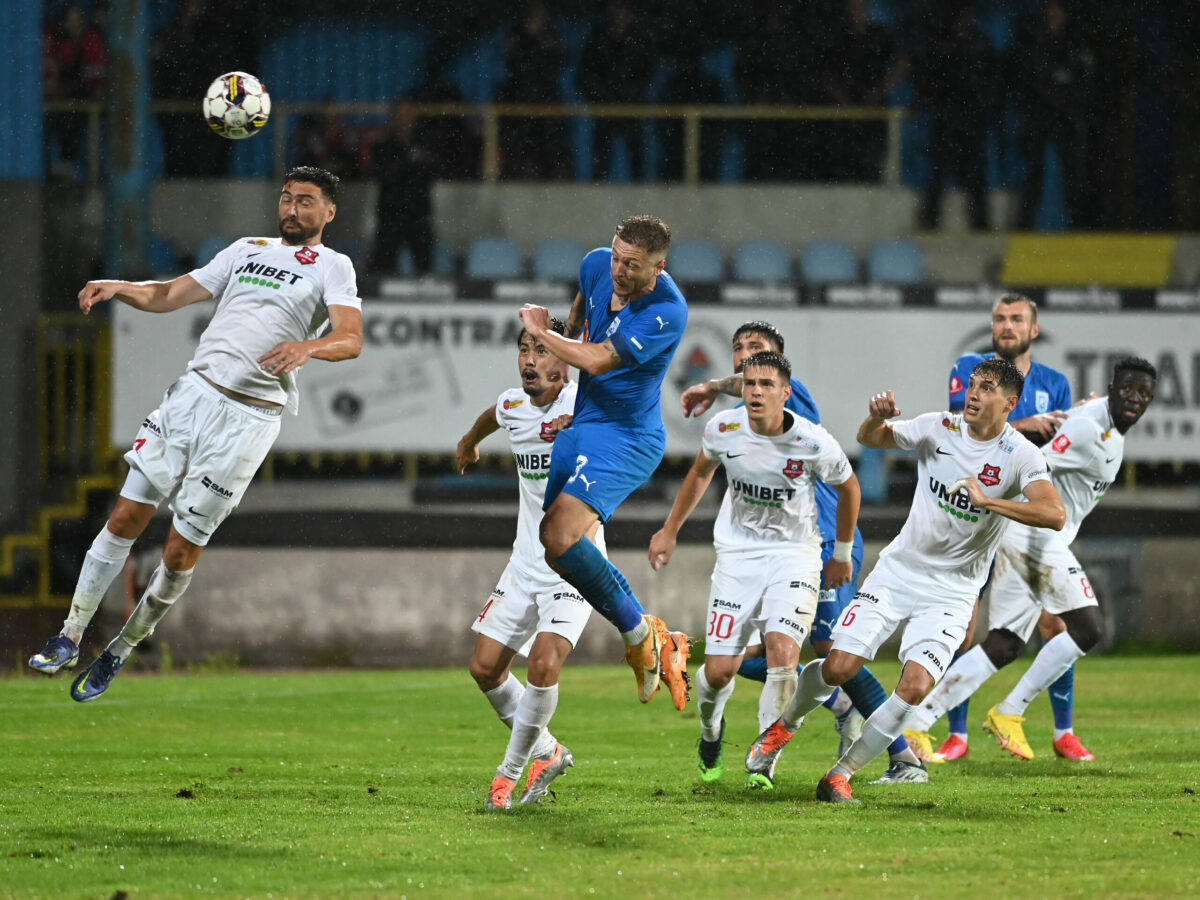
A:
956	384
307	256
794	468
1060	443
989	475
548	433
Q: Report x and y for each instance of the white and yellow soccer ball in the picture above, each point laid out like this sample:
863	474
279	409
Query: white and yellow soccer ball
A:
237	106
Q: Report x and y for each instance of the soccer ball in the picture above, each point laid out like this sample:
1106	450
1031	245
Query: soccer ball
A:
237	106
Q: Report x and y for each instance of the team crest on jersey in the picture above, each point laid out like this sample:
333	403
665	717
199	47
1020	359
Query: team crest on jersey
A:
547	434
1060	443
794	468
728	426
307	256
1042	401
956	384
258	242
989	475
513	404
949	425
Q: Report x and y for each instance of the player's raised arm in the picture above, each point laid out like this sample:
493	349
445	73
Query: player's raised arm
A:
148	296
575	317
1044	509
697	399
875	432
467	451
695	483
595	359
342	341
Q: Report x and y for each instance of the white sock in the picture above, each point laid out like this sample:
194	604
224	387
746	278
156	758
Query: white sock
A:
711	703
637	635
841	704
962	679
811	692
1060	733
533	714
778	690
164	589
1056	656
504	699
101	564
883	727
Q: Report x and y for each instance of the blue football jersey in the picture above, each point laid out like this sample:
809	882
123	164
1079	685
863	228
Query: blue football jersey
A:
1045	388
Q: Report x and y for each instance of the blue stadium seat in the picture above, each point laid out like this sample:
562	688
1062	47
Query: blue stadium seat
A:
824	262
163	259
210	247
493	258
895	262
695	261
557	259
761	261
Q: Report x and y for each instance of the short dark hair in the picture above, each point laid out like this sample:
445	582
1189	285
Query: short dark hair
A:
1135	364
1007	375
760	327
330	184
646	232
557	325
767	359
1013	297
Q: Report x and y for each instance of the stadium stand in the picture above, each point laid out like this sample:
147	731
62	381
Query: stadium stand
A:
495	258
761	261
210	247
557	258
826	262
696	262
895	262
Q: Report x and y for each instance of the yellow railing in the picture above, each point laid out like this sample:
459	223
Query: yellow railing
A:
490	114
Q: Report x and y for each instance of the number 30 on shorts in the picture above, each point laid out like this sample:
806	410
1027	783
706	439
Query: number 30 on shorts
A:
720	625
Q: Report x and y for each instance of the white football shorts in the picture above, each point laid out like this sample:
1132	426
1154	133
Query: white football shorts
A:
200	449
935	621
1023	584
770	592
524	604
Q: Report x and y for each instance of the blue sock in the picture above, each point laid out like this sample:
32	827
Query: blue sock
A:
602	584
1062	699
956	718
754	668
867	695
828	704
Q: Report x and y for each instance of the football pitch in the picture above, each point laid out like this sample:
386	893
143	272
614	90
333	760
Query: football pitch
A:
346	784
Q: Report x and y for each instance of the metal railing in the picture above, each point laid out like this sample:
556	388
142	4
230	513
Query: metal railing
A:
489	115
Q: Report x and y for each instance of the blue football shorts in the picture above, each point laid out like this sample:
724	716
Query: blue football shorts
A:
602	464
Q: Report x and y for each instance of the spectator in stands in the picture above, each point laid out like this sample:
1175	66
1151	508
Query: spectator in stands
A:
780	63
323	140
405	169
617	65
1052	68
73	68
534	57
865	64
954	77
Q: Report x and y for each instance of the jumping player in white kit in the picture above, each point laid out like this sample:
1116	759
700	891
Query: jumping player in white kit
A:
216	424
531	602
969	467
1036	570
768	572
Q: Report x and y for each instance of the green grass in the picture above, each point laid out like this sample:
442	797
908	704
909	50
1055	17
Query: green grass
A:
371	784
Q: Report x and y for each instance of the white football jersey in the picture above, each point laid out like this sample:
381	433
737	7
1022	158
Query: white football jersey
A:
1084	456
769	504
531	440
946	537
267	292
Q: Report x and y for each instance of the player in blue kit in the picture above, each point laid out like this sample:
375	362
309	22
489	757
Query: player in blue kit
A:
1039	411
632	316
854	701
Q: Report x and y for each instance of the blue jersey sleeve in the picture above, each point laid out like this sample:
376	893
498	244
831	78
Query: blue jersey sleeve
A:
802	403
649	332
959	376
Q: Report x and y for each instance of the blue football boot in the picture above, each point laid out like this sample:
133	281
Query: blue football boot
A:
60	652
95	679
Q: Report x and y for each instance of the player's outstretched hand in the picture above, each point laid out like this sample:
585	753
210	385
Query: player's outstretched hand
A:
465	454
883	405
285	357
1044	424
835	574
97	292
536	319
662	545
697	399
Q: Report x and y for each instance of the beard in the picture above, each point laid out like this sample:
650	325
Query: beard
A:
300	236
1011	354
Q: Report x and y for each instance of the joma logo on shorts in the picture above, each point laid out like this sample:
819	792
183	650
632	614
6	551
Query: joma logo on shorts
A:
216	488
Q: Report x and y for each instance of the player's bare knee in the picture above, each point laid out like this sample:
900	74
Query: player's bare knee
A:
838	668
1085	626
489	674
719	671
1002	647
129	518
1050	625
